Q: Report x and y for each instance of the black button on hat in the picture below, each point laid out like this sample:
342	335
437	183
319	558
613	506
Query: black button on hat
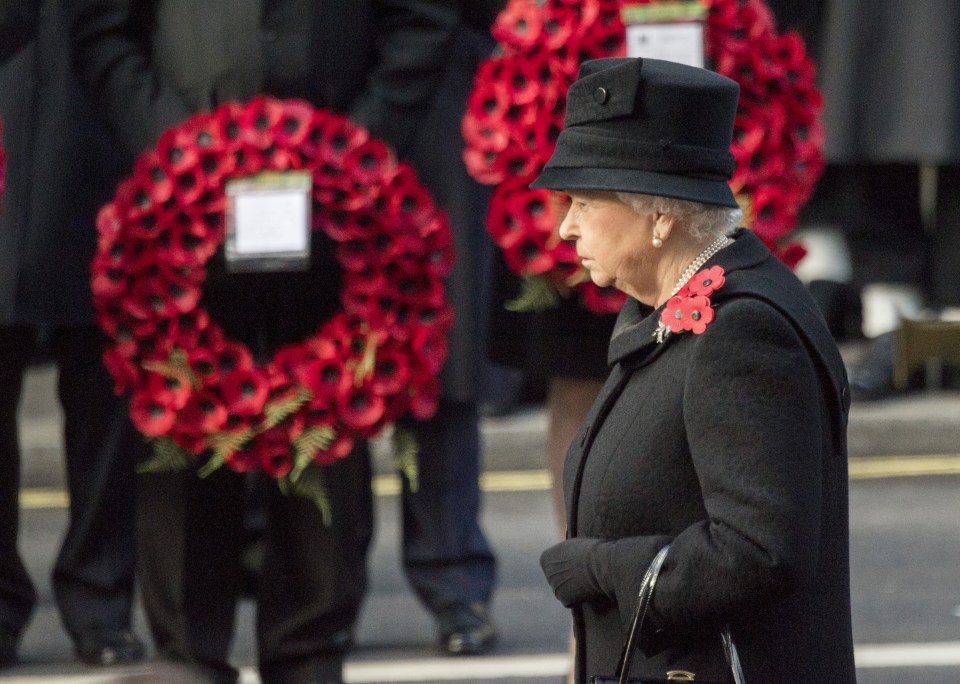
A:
620	111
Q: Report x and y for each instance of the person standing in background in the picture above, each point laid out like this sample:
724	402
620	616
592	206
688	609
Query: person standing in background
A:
149	65
887	207
61	167
446	556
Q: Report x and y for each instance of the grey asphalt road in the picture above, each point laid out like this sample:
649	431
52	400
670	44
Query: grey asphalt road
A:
905	548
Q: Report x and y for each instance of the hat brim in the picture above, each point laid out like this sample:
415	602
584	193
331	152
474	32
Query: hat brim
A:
702	190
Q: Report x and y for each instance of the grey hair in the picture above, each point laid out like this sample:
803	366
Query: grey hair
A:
704	222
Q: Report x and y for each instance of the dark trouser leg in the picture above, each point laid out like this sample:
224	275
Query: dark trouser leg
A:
188	532
946	270
94	574
446	556
314	576
17	596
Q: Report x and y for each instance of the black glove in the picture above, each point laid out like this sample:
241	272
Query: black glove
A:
570	568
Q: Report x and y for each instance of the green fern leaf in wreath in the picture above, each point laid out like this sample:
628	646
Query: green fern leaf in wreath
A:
305	447
224	445
406	454
168	456
312	486
536	294
175	365
276	411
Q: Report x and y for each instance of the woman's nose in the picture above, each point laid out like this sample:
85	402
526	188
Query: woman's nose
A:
567	231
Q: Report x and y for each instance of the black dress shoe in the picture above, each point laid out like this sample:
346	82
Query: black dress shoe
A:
465	629
109	647
8	650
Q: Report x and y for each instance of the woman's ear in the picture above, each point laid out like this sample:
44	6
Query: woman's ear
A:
663	226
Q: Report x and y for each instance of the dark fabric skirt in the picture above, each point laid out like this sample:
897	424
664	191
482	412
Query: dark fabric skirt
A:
568	341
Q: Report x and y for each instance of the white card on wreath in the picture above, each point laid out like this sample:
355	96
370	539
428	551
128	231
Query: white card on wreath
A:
268	221
671	31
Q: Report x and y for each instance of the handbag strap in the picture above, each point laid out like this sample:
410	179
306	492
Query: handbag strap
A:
643	603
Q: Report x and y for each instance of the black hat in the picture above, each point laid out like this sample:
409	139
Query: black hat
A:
646	126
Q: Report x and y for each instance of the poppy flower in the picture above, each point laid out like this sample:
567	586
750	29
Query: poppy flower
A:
360	408
483	165
108	280
189	327
275	457
424	399
338	137
706	281
482	135
245	459
244	391
294	124
430	348
410	201
370	162
124	372
206	411
151	415
233	356
189	438
191	242
132	199
527	255
606	35
691	312
326	378
792	254
339	449
150	171
519	25
390	372
259	120
168	387
177	151
602	299
189	186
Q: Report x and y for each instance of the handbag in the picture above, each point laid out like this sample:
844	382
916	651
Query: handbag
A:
643	603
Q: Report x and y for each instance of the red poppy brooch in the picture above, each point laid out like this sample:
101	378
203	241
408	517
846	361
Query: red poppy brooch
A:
200	396
689	309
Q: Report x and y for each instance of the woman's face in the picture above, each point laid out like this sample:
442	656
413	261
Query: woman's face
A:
612	241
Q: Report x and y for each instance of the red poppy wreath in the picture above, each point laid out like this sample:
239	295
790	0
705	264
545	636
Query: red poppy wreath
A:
201	395
516	111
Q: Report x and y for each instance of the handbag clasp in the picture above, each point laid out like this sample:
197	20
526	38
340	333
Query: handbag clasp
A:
680	676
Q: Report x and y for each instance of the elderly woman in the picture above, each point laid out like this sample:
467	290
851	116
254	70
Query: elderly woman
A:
720	434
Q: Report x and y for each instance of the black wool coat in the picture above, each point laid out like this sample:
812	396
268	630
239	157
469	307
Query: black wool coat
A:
731	447
62	165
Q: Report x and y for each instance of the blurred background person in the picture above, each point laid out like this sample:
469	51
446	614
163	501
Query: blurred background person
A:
885	217
149	65
446	555
61	167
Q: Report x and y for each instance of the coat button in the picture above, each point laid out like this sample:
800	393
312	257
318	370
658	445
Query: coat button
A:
601	95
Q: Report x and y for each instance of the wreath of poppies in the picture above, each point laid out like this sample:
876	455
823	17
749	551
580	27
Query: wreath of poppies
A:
198	393
516	111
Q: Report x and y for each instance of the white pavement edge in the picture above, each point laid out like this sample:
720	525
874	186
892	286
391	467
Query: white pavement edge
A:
868	656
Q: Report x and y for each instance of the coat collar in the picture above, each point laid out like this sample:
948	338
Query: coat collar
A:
633	334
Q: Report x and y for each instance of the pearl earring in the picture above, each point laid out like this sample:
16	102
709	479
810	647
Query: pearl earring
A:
657	242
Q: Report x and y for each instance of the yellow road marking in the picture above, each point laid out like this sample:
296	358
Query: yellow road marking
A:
861	468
